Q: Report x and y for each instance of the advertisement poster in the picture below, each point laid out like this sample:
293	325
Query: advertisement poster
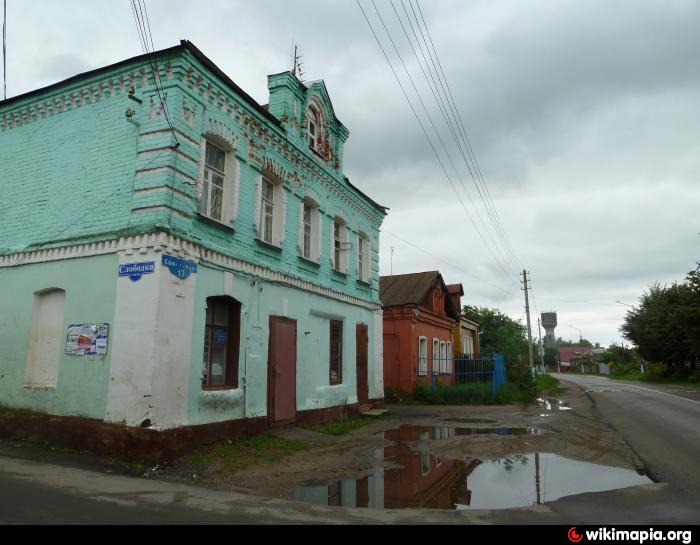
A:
87	340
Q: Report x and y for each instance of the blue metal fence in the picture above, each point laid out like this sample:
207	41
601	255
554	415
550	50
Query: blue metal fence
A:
465	369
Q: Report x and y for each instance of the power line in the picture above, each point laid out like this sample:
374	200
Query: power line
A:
479	178
432	85
443	107
143	28
449	116
451	265
425	132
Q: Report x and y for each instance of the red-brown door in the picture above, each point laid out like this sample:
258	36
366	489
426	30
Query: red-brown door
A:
361	351
282	382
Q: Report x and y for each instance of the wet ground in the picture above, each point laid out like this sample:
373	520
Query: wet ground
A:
424	465
415	477
447	458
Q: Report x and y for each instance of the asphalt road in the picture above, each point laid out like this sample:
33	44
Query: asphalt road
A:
660	423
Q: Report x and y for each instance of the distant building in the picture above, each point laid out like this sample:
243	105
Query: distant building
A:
571	356
420	321
466	337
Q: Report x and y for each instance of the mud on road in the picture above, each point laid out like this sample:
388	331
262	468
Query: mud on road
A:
480	433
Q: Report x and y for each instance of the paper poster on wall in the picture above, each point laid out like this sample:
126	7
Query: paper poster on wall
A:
87	340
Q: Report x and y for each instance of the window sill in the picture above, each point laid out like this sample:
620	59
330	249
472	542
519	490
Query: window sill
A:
364	284
340	274
309	262
215	223
339	383
268	245
215	389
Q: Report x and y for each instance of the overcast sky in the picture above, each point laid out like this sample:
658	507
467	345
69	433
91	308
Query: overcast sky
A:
584	117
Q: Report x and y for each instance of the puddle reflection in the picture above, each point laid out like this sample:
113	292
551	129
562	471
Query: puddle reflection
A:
428	481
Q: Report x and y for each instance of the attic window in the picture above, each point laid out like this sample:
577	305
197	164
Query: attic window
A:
314	129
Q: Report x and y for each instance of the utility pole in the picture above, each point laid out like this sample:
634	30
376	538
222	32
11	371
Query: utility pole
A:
526	288
392	260
539	328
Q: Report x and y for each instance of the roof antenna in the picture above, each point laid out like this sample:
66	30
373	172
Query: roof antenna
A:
298	69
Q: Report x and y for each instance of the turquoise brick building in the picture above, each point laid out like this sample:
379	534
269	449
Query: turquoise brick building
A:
220	270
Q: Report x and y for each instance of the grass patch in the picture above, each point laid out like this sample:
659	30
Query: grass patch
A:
472	394
548	385
343	428
239	455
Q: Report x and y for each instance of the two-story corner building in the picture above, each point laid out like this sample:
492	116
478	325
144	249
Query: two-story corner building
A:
173	254
420	321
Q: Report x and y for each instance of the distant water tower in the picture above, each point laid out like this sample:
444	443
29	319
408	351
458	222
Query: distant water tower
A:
549	322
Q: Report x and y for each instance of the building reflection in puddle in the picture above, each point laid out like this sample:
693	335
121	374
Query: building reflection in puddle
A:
422	480
419	479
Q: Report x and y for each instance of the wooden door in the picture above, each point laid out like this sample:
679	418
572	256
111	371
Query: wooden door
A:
362	359
282	364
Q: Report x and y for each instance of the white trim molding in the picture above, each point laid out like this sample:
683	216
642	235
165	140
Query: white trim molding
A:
164	242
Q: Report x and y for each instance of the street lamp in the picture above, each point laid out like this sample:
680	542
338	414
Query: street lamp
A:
579	332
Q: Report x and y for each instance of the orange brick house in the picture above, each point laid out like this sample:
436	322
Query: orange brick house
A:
420	321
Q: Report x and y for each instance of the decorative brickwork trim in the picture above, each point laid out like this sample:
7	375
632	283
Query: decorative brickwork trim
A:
163	242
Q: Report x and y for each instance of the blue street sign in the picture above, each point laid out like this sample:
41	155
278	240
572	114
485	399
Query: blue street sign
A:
179	268
135	271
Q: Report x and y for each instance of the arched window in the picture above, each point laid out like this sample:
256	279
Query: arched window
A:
313	128
316	126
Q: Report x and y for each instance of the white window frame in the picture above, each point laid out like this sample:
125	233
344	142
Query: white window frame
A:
279	211
364	258
423	356
449	357
315	125
267	212
339	245
443	357
436	356
425	465
229	182
313	252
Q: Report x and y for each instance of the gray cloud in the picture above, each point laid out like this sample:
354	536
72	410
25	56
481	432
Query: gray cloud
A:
583	116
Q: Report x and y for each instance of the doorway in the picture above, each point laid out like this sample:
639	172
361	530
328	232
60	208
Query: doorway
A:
362	341
282	371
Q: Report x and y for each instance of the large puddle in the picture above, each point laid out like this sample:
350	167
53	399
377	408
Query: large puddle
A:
417	478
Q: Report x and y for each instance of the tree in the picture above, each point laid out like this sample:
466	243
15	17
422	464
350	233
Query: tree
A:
665	325
500	334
